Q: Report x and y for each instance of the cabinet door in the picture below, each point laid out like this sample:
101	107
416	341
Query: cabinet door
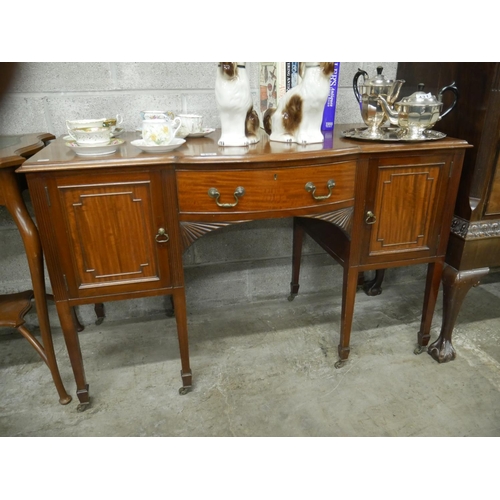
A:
403	208
108	233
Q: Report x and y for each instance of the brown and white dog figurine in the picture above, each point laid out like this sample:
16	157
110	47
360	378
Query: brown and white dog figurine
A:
299	113
239	121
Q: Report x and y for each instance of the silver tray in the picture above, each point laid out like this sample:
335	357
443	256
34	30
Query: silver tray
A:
392	134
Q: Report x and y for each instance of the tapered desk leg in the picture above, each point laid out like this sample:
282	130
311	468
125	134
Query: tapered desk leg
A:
31	240
434	273
456	284
297	242
180	310
74	351
349	287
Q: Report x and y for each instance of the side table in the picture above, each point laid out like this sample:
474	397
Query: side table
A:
14	150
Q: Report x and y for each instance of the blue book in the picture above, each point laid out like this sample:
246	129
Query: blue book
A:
331	102
295	74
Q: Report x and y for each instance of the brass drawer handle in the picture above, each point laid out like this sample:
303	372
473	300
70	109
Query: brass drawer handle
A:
162	236
370	217
214	193
311	188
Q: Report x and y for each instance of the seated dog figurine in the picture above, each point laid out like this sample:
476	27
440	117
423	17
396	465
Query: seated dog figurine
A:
239	121
299	113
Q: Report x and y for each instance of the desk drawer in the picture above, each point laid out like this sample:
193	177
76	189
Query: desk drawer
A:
270	189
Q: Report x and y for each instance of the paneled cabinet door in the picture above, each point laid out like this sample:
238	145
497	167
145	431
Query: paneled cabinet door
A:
405	197
111	233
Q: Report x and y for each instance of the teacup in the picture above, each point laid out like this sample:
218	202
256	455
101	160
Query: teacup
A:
112	123
91	136
190	124
160	131
91	122
155	115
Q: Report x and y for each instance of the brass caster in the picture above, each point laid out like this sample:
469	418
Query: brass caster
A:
291	297
82	407
98	321
419	349
184	390
340	363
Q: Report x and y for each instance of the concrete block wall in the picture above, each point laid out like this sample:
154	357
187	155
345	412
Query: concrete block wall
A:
241	263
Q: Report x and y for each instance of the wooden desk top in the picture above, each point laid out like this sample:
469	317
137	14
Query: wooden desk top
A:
14	149
206	151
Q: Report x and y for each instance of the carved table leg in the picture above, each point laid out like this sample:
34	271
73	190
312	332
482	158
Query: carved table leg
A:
182	334
373	287
75	354
298	238
456	284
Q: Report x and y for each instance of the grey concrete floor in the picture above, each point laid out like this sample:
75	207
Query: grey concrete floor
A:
267	369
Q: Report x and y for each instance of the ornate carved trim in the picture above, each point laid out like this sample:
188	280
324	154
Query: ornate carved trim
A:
475	230
341	218
191	231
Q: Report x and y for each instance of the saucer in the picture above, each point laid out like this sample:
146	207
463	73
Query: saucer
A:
203	133
98	150
139	143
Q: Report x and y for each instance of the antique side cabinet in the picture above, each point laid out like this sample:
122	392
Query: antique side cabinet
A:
114	227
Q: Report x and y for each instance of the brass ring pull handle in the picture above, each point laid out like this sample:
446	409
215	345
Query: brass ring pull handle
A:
162	236
370	217
311	188
214	193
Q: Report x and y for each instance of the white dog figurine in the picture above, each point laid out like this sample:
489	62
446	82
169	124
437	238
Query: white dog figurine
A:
299	113
239	121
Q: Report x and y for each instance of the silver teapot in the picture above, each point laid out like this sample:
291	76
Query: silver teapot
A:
367	94
419	112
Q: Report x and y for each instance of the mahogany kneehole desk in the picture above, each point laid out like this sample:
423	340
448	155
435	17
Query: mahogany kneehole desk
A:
115	227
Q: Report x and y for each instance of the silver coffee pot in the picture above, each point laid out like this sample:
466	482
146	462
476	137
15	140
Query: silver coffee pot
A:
367	95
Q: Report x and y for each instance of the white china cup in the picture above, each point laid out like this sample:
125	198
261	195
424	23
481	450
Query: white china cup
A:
88	123
113	123
91	136
190	124
160	131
